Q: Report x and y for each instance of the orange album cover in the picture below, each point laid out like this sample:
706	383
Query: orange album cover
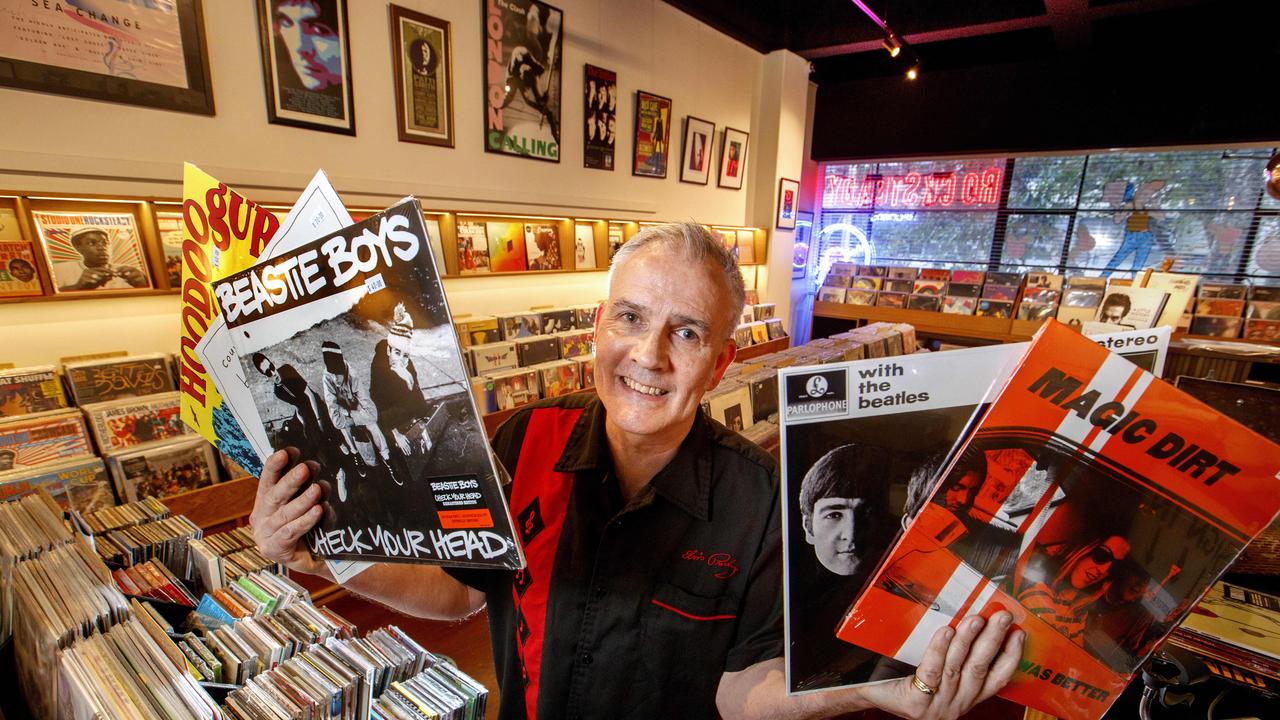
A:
1096	503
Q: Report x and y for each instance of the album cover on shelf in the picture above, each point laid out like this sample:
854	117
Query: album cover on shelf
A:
360	370
93	381
968	277
584	316
1263	310
742	336
1265	293
774	326
731	406
897	286
1226	291
584	247
1036	311
1004	278
1221	307
764	311
515	387
1041	295
860	297
519	325
866	283
79	484
558	377
931	303
542	246
477	330
929	287
1182	290
1044	281
759	332
506	246
959	289
844	267
537	350
30	390
491	357
959	305
764	394
831	294
999	292
586	369
1080	303
473	248
877	271
994	308
903	273
837	280
574	343
1074	496
557	320
891	299
1262	330
942	274
27	441
1210	326
162	468
119	424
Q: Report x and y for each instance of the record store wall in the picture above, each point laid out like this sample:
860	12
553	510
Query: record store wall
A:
58	144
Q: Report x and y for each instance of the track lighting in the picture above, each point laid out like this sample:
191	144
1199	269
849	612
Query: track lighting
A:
892	44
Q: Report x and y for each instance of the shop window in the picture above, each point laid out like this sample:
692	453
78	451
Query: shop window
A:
1264	261
1048	183
1199	242
1033	242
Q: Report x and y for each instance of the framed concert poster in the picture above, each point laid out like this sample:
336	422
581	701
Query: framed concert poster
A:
306	64
788	196
600	117
653	135
422	53
150	54
695	162
733	158
521	44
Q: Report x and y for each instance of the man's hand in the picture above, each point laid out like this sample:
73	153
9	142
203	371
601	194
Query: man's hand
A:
966	666
132	275
279	519
92	279
402	442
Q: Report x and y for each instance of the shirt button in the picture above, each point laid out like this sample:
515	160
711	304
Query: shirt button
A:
586	658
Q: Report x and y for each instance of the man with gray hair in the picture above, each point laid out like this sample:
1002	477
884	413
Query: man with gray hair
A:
652	533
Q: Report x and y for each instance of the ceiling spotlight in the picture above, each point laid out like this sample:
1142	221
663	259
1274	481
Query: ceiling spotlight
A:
892	45
913	72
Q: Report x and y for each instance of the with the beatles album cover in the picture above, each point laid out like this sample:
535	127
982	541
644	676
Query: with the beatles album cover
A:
349	350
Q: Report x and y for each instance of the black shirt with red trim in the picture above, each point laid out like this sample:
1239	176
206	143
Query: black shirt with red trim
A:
630	610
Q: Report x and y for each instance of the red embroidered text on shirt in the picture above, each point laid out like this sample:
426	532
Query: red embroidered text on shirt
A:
728	566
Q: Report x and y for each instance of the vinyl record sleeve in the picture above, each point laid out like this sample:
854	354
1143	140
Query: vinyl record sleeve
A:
349	347
30	390
119	424
162	468
94	381
30	440
1081	486
872	430
79	484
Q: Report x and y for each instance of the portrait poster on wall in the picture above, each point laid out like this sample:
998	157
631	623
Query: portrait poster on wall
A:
306	64
695	165
145	53
422	50
653	135
788	197
600	117
733	158
93	252
521	44
18	274
171	229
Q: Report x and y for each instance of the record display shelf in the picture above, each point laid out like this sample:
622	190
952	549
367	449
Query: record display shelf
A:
830	318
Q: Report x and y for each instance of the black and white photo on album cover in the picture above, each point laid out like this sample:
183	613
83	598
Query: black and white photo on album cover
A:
349	351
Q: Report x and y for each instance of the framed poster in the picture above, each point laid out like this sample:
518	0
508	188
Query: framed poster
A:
92	252
521	45
150	54
306	64
733	158
653	135
600	117
584	247
422	53
170	226
695	162
18	274
788	197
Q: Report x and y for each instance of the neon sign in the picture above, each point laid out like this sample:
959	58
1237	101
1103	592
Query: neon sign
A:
914	190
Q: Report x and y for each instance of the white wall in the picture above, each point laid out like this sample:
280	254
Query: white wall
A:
53	144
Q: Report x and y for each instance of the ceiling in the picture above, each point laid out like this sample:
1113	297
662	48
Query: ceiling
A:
844	44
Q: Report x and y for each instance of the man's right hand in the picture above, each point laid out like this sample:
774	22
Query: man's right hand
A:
92	279
279	519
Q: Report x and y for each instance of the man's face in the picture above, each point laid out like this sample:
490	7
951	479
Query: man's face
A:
1113	314
268	369
22	271
95	248
833	532
312	44
1094	567
398	352
6	461
958	494
660	344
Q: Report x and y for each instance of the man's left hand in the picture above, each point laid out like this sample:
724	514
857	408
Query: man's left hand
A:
964	666
132	275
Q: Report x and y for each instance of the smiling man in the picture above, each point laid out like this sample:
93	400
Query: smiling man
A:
652	533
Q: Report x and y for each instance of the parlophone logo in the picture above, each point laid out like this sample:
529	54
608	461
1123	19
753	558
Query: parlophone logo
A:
812	395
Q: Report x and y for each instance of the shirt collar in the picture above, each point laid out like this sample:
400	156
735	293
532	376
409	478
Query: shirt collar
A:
685	481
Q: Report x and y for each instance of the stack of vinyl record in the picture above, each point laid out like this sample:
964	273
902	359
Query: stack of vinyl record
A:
29	526
1235	631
